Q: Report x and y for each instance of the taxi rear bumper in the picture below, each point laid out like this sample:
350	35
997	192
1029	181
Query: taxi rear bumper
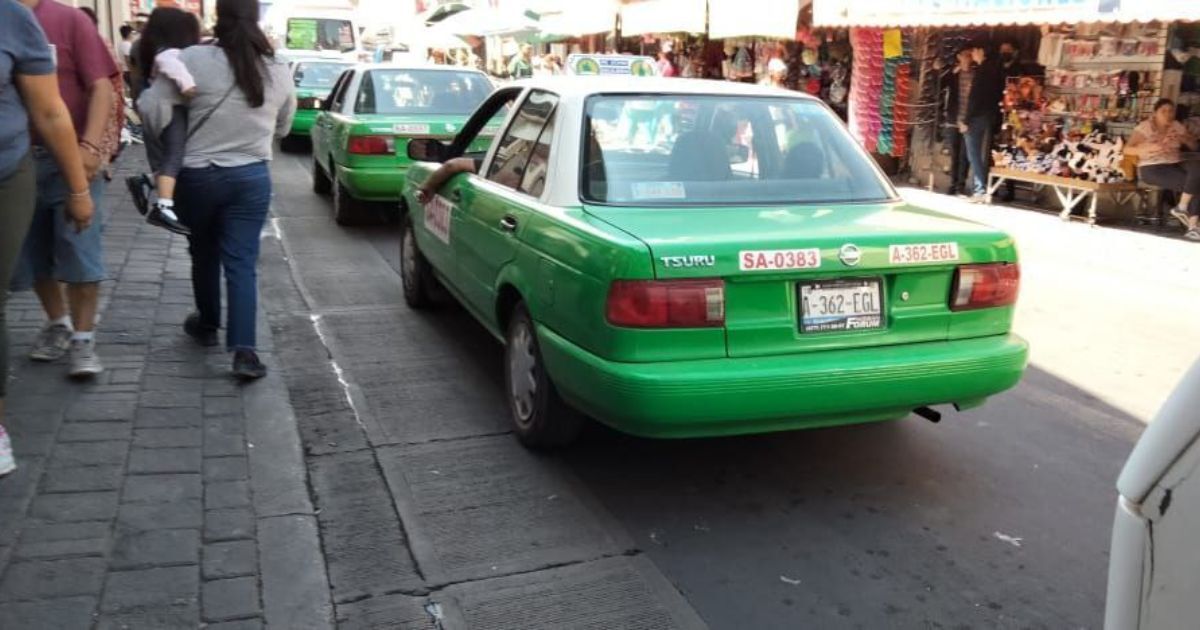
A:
761	394
373	183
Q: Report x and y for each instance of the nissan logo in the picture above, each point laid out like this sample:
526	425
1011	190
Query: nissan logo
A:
849	254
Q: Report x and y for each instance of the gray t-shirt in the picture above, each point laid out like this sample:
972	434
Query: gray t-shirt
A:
23	50
236	134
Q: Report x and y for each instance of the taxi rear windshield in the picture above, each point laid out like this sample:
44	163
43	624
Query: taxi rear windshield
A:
421	92
645	150
317	75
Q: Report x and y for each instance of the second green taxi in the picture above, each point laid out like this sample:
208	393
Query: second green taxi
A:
314	79
361	133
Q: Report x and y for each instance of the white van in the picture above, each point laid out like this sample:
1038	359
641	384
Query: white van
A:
317	30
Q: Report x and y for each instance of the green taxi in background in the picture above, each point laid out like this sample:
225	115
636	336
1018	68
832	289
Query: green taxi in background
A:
682	258
314	79
360	135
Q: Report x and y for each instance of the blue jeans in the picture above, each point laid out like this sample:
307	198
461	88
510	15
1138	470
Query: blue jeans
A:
52	249
977	140
225	207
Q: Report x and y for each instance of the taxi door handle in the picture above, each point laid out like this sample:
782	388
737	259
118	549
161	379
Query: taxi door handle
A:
508	223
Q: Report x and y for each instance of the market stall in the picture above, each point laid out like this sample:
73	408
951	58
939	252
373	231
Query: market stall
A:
1089	72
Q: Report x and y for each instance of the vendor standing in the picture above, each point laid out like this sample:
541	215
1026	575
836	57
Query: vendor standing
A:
983	115
1156	142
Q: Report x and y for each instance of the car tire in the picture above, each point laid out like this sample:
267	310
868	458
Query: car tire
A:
321	183
292	144
416	276
541	419
346	209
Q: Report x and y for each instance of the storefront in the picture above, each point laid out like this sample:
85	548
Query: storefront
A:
1089	70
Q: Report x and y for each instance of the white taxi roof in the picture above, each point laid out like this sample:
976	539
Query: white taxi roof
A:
412	65
583	85
562	179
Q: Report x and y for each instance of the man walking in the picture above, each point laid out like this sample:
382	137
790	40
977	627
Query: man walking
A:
983	112
55	253
521	66
124	49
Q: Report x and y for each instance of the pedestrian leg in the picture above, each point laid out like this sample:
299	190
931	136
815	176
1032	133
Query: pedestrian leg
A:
200	193
240	235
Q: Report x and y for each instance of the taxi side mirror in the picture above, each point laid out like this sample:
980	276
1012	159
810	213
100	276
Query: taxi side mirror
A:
427	150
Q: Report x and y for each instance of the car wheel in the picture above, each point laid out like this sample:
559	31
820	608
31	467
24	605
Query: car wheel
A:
321	183
540	417
416	276
346	209
292	144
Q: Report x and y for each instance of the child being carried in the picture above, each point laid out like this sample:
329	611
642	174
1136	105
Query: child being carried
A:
168	31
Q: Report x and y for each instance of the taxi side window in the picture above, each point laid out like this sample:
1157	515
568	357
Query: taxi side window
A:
339	91
539	162
520	163
365	104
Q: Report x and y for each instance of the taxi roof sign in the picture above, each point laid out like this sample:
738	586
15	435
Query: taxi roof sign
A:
626	65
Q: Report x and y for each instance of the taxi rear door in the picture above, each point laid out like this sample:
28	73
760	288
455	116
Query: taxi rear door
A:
495	203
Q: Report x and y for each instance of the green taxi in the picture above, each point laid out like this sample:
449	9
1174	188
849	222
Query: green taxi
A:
681	258
314	79
359	136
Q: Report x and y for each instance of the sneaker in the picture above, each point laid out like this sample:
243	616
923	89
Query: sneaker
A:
979	198
201	334
165	218
1192	235
247	366
1180	215
139	188
84	360
7	463
51	344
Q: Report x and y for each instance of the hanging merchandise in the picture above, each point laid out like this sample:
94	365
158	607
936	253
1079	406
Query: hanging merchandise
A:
880	92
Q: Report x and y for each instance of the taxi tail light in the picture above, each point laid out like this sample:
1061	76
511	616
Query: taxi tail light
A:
666	303
985	286
370	145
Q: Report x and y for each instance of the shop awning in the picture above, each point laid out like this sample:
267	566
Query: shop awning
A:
643	17
578	20
945	13
750	18
487	22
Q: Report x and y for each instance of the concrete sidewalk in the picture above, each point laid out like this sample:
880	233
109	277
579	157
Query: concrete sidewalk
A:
163	494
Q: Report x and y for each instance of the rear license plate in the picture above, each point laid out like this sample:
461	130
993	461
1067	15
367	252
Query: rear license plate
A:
833	305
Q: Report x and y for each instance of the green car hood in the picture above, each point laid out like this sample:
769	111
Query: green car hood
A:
682	233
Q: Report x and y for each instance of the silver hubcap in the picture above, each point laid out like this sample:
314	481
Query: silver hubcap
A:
408	259
522	373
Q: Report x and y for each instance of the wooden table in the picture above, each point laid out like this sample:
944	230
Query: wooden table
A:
1071	192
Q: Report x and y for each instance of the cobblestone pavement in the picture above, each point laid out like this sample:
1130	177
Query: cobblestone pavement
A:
162	494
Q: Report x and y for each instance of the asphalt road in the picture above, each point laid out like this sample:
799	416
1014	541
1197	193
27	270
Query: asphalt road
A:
995	518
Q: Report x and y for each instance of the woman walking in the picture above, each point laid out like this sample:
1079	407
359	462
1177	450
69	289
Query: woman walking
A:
243	100
29	94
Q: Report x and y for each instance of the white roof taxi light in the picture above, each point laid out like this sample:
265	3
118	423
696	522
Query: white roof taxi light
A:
619	65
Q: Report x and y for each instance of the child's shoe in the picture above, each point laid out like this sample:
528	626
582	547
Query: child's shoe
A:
139	188
163	215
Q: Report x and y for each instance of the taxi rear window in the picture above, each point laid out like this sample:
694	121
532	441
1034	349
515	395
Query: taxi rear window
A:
315	75
646	150
421	92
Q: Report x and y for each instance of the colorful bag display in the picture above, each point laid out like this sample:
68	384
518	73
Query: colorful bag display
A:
880	90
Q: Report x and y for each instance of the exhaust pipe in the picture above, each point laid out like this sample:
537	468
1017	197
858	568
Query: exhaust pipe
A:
928	414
